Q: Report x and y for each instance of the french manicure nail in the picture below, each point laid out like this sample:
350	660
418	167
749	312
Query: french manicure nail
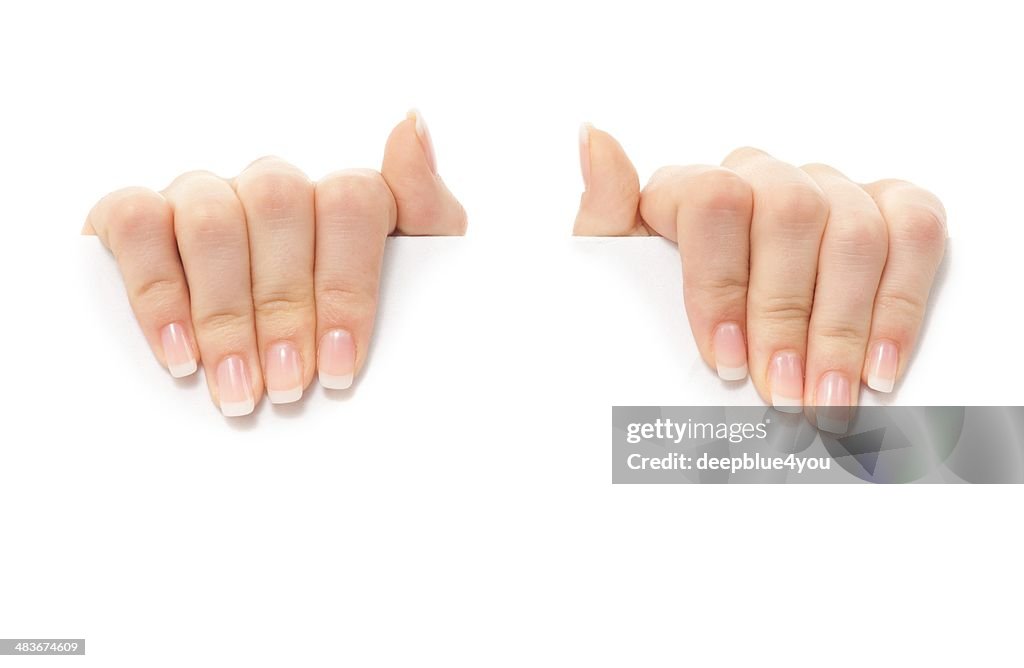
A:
730	352
786	382
283	372
883	361
425	141
234	387
337	359
177	350
585	129
832	402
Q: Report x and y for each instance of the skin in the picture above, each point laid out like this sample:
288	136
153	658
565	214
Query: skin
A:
802	258
270	256
804	261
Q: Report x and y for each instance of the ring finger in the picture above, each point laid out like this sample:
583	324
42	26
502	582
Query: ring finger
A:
853	252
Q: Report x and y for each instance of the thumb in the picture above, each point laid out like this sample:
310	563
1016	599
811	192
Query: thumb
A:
608	207
425	206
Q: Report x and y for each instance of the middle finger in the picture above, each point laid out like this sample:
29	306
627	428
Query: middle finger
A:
788	220
278	203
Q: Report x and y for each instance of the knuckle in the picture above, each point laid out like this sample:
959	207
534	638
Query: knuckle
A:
339	301
223	322
281	301
719	190
211	219
191	179
136	213
345	296
915	215
665	175
268	159
205	206
784	310
861	235
743	154
922	225
899	305
817	167
883	186
720	289
797	203
844	333
273	189
354	192
208	211
156	290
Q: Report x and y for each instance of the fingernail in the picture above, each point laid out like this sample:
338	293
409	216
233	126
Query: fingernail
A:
786	382
234	387
177	350
832	402
883	361
424	135
585	153
283	372
730	352
337	359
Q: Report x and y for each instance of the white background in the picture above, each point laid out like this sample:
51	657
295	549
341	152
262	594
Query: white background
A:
455	507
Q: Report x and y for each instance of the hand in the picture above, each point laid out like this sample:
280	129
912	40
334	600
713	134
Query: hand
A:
809	280
268	276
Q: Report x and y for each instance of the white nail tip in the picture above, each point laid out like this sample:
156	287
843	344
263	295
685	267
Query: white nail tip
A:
732	372
786	404
237	408
284	396
832	425
585	129
880	384
421	125
182	370
336	382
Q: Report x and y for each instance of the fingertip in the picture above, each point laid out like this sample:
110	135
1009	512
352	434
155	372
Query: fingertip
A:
177	345
607	162
881	366
611	193
410	148
423	135
425	205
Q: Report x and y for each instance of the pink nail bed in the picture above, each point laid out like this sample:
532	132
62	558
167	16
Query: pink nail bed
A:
337	359
177	350
832	402
883	362
283	373
234	387
730	351
786	382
